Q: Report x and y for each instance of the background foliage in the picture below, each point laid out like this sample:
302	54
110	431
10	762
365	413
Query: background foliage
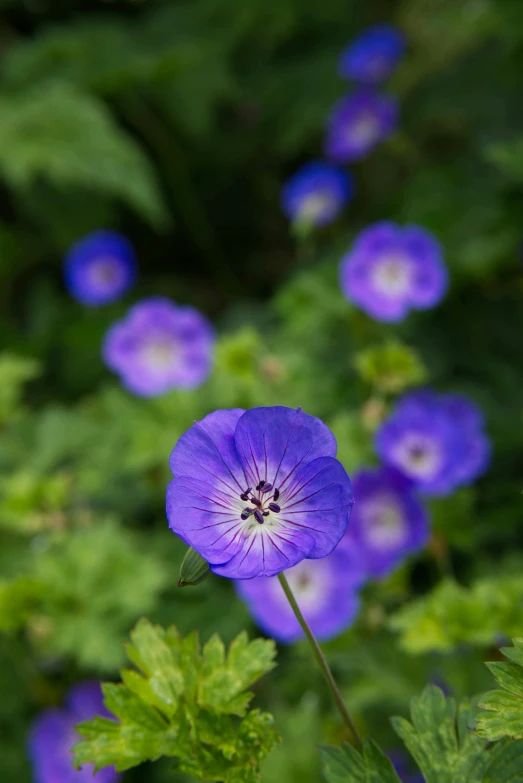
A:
177	122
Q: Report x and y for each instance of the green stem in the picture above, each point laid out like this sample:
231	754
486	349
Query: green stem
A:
324	666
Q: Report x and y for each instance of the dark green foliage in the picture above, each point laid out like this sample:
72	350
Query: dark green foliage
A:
346	765
503	716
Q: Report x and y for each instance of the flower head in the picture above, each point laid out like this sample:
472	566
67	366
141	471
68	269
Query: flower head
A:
53	735
257	491
437	440
388	522
373	55
160	346
316	193
391	270
403	769
326	591
358	123
100	268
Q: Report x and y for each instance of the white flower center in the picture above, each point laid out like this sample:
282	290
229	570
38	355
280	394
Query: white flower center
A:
392	275
419	455
315	206
365	130
384	523
160	353
308	581
104	272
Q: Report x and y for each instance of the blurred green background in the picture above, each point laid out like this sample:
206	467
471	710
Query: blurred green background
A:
177	123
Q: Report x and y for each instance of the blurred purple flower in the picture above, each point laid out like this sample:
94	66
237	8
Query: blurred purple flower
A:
326	591
316	193
437	440
388	522
255	492
373	55
391	270
53	735
358	123
100	268
400	762
160	346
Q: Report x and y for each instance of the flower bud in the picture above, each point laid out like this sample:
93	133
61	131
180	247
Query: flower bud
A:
194	569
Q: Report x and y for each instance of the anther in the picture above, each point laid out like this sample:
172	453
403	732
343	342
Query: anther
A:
245	495
260	485
256	502
246	513
266	488
274	507
265	513
276	494
258	516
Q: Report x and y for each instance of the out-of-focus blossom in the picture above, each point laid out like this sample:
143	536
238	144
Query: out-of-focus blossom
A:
316	194
257	491
388	522
373	55
358	123
160	346
404	769
100	268
391	270
53	735
326	592
437	440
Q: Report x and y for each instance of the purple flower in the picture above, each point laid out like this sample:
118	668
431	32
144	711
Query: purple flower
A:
160	346
100	268
255	492
388	522
373	55
325	590
400	763
391	270
358	123
437	440
53	735
316	193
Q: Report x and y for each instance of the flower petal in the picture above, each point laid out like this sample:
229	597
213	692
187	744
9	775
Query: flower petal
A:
319	499
207	452
274	443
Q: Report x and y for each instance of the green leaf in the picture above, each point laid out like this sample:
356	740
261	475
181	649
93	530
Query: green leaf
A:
440	739
347	765
69	138
182	703
451	615
506	765
391	367
503	716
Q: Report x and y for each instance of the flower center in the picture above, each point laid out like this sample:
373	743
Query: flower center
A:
105	272
419	456
391	276
364	131
384	525
160	353
315	206
262	501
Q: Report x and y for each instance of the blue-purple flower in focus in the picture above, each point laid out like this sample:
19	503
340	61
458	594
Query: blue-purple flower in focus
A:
373	55
388	522
257	491
316	194
100	268
391	270
358	123
53	736
436	440
326	591
160	346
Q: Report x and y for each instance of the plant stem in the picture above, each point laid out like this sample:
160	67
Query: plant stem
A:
320	657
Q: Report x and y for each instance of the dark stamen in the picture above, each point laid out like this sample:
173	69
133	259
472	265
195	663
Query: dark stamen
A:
276	494
256	502
260	485
246	513
258	517
265	513
245	495
266	488
274	507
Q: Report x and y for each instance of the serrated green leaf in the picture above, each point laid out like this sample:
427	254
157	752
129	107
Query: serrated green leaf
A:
69	138
347	765
172	707
506	766
503	709
440	740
